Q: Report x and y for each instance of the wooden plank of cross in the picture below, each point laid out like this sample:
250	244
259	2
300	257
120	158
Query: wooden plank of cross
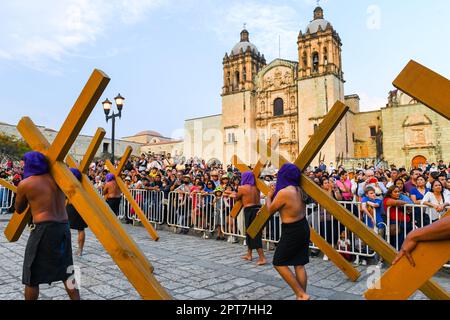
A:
127	194
321	243
373	240
18	222
402	280
92	208
273	143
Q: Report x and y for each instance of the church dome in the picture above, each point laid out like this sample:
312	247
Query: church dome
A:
244	44
149	133
318	21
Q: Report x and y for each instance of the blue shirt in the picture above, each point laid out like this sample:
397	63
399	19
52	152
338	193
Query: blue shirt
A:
378	213
419	196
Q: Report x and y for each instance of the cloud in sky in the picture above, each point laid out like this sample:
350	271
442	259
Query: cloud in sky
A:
39	33
265	22
370	102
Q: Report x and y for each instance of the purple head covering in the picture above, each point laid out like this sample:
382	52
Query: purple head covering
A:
76	173
248	178
110	177
289	175
35	164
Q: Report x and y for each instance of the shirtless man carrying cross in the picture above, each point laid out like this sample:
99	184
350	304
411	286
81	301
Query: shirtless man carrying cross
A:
48	255
249	194
293	248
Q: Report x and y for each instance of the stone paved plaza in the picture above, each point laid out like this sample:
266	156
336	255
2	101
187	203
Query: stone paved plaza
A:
189	267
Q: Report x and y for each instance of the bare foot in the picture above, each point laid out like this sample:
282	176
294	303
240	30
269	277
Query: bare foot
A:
261	262
79	253
247	257
304	297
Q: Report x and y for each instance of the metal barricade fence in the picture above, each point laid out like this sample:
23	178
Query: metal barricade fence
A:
151	203
6	200
406	218
336	234
191	211
233	227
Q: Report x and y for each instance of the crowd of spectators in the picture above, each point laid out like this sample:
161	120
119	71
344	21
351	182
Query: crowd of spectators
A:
376	195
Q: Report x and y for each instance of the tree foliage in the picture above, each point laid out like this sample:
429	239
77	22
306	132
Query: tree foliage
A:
12	147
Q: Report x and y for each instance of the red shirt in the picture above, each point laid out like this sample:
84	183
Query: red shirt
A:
393	211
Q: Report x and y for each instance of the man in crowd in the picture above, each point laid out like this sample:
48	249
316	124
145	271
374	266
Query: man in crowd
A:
412	182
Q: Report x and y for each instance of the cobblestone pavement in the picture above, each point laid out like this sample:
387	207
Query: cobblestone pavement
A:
189	267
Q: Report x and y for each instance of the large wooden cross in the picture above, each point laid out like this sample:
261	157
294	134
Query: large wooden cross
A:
385	250
273	143
321	243
86	200
137	209
402	280
18	222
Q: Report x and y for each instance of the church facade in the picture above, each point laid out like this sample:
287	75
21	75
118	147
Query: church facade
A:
291	98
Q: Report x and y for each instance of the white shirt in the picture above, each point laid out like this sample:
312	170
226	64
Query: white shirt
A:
429	197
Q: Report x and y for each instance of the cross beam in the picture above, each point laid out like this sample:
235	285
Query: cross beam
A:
85	199
18	222
312	148
127	193
430	288
273	143
402	280
321	243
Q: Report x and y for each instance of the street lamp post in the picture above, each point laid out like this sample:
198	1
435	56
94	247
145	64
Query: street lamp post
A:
107	105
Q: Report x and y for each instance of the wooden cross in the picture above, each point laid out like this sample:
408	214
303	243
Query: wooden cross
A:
402	280
385	250
338	111
86	200
127	193
18	222
273	143
321	243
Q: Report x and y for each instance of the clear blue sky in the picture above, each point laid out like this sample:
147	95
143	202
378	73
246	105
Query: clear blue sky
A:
165	56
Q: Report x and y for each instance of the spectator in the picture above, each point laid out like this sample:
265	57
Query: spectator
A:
436	202
412	182
371	181
398	220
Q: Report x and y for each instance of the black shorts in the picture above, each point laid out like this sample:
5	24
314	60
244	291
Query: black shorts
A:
114	204
293	248
48	255
76	222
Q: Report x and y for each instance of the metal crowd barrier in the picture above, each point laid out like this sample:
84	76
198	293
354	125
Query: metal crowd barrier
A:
151	203
6	200
191	211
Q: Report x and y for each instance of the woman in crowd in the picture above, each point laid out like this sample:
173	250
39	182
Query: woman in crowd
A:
417	195
436	201
329	227
398	220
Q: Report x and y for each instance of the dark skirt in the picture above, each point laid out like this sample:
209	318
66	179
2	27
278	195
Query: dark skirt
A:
76	222
293	248
250	215
114	204
48	255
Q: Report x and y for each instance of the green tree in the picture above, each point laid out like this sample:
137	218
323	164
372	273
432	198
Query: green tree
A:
12	147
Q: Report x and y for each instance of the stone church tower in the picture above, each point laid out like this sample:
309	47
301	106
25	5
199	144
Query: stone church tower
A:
239	71
287	98
320	85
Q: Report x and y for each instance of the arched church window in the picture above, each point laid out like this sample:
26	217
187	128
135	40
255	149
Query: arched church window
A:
305	60
236	79
244	75
315	59
278	107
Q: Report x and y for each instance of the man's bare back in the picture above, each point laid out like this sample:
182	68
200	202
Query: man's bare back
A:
112	190
249	195
289	202
46	200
